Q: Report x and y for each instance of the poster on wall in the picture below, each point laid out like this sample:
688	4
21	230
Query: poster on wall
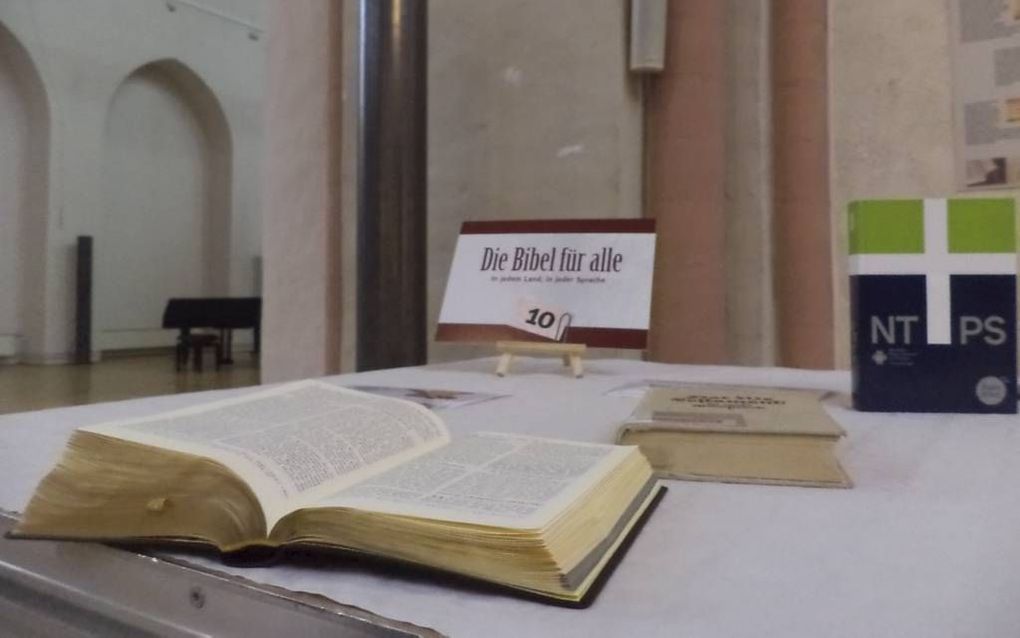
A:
573	281
986	57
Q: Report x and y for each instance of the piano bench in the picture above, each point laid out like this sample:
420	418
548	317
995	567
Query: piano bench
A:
196	344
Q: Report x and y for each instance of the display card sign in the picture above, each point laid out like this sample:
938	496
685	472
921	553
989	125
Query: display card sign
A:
933	304
575	281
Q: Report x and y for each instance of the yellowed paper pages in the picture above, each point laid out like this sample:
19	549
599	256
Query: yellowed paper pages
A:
487	478
296	443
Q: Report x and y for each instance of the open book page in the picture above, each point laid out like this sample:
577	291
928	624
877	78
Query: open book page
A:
486	478
295	443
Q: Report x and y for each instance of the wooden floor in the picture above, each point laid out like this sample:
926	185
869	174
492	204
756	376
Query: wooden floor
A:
33	387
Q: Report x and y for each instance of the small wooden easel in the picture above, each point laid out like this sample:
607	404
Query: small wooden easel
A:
571	353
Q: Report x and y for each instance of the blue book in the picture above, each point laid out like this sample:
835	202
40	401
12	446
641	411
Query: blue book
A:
933	305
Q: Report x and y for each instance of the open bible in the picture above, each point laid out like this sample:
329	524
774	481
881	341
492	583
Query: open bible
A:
313	464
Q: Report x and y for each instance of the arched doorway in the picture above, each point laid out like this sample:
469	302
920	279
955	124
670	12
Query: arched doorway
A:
24	180
167	191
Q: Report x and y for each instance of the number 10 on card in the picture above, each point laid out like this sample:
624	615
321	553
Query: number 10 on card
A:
540	318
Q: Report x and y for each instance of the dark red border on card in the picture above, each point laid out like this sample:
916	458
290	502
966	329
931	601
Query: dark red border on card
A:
628	225
594	337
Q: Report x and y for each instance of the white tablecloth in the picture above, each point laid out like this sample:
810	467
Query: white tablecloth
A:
926	544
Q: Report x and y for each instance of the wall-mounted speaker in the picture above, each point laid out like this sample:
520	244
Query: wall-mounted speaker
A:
648	35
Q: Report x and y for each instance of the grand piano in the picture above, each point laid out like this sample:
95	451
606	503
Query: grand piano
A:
225	314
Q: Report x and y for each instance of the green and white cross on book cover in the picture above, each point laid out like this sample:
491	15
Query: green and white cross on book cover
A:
933	305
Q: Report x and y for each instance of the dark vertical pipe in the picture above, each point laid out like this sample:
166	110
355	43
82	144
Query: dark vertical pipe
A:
392	193
83	301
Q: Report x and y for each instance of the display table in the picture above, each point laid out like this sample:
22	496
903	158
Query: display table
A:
926	544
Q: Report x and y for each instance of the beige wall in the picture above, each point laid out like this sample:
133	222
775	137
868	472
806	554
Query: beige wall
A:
891	114
24	138
166	175
82	58
532	114
252	12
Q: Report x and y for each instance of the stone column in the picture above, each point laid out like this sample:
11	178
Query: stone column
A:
802	232
301	217
749	297
685	163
